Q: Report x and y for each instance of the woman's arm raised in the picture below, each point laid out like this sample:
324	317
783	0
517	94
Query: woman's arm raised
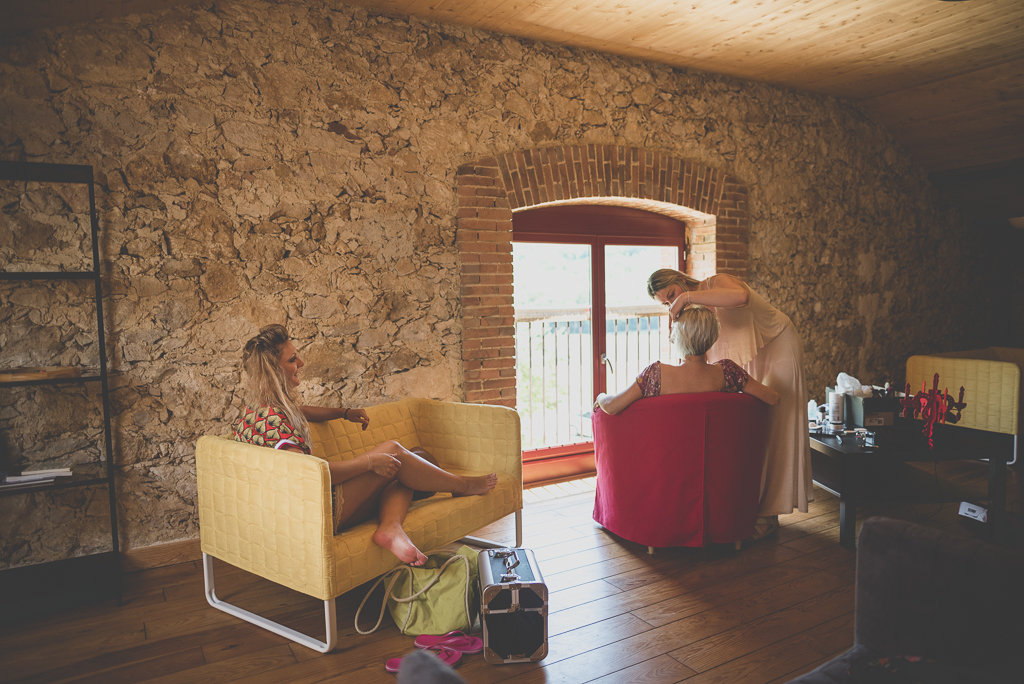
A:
724	291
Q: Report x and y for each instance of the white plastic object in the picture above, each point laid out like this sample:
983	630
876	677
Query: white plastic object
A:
847	384
973	511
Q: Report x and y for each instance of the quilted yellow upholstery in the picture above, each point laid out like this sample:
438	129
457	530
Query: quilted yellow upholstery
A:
266	511
992	387
342	440
269	512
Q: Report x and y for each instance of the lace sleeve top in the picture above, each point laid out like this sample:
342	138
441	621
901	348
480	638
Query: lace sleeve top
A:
650	379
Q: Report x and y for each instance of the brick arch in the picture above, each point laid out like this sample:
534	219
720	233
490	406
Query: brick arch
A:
491	188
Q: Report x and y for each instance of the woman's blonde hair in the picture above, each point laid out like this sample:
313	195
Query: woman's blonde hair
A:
665	277
265	383
695	331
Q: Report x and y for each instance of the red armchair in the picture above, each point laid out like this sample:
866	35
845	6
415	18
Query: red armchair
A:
680	469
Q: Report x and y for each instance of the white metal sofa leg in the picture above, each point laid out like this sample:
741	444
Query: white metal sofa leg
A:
277	628
488	544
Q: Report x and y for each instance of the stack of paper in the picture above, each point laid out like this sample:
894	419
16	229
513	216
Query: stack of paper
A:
62	471
33	478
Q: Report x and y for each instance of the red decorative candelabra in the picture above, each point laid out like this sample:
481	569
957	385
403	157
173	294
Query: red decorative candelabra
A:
932	406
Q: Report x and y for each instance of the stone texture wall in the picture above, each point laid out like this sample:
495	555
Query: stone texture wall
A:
296	162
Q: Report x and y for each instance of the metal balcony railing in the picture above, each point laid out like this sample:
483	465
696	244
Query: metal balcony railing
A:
554	359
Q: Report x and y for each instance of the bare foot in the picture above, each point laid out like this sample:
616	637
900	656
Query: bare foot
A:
395	540
479	485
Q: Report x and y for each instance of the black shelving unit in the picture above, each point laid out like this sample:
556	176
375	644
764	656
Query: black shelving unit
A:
49	586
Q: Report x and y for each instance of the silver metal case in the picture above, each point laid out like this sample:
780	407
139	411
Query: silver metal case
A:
514	606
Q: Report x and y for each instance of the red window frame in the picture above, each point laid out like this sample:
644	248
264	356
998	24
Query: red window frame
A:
597	226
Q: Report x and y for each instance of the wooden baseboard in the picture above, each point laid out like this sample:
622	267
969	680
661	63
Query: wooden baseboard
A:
558	480
159	555
560	469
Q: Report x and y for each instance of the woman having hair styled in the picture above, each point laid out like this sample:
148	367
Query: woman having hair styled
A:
761	339
381	482
693	333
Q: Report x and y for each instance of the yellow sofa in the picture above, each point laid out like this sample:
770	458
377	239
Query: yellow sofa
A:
269	512
991	380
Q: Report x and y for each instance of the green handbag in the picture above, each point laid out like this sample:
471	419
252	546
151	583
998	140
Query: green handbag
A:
440	596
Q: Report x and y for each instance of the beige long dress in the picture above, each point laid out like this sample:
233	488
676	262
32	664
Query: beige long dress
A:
763	340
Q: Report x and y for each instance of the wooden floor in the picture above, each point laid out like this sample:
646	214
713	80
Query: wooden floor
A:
765	614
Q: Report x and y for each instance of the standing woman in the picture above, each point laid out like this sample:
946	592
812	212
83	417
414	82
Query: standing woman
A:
762	340
379	483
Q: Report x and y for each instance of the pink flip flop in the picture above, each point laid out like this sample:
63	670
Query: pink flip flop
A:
459	641
449	656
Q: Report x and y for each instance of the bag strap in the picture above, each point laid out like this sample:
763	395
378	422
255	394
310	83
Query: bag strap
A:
432	582
465	589
388	592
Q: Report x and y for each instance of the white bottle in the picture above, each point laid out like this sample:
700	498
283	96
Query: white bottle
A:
835	408
812	410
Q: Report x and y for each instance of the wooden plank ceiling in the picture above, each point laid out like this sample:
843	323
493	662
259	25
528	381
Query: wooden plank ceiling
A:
946	78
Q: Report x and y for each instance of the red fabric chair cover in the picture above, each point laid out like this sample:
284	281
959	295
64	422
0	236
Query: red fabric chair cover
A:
680	469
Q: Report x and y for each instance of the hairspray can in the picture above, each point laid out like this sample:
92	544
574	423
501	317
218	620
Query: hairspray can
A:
835	408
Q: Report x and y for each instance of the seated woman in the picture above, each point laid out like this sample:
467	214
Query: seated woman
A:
693	333
380	482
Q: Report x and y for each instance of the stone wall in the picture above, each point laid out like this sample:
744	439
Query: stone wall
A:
296	162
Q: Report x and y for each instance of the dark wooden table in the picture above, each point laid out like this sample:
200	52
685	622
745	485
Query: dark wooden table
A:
859	475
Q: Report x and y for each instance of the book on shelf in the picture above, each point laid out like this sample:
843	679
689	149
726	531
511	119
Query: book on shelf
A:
6	485
42	472
55	471
25	478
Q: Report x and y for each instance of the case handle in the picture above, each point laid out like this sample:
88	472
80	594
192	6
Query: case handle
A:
508	555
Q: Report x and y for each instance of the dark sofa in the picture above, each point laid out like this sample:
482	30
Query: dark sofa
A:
946	598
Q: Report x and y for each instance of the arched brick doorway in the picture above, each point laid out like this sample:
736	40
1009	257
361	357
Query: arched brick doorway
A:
490	189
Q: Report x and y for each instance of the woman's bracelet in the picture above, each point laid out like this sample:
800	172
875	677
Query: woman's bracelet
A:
688	302
346	414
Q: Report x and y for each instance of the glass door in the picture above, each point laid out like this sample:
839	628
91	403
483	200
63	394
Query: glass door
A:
554	342
636	327
584	323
